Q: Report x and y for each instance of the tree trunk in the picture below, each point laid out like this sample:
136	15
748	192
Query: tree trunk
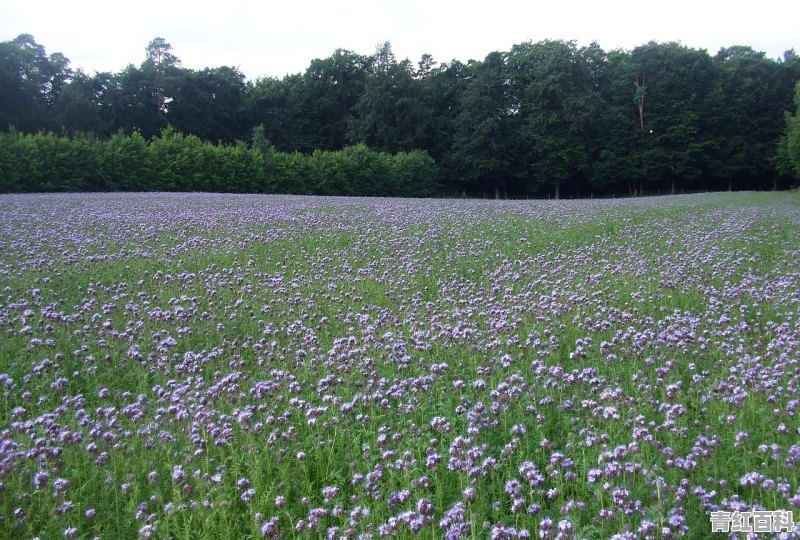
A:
558	191
496	192
641	188
672	187
775	184
630	188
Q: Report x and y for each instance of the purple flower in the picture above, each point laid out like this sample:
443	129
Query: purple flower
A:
565	526
242	484
248	495
178	475
329	493
60	486
40	479
594	475
530	473
269	529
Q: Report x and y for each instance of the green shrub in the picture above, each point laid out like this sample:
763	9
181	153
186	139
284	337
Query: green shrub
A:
172	161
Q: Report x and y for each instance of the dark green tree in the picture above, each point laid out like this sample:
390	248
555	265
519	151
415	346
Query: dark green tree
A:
332	87
673	147
616	168
210	104
744	118
135	103
557	93
486	146
30	83
139	98
83	104
389	115
441	90
425	66
790	151
267	106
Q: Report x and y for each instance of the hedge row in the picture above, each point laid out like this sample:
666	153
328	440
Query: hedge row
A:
176	162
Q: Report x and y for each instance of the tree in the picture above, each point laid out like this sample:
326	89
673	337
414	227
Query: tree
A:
486	150
389	115
135	102
30	82
559	103
210	104
792	137
673	147
139	98
615	168
83	104
331	88
425	66
162	69
278	105
744	117
160	57
441	92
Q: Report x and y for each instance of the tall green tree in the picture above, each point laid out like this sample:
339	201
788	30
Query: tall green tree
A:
83	104
210	104
616	168
140	97
135	103
557	94
744	118
791	140
270	106
486	146
441	92
332	87
389	115
673	146
30	82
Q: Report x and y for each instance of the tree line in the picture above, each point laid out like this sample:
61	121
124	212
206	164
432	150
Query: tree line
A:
549	118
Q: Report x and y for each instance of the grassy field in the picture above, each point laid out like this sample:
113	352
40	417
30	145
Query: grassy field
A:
220	366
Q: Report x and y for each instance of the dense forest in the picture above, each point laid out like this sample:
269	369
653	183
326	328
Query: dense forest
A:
543	119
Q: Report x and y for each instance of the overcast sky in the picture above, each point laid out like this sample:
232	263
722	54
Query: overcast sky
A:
267	38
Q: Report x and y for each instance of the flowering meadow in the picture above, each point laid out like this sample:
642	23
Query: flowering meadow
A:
241	366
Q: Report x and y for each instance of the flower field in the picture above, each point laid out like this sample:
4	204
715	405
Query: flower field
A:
220	366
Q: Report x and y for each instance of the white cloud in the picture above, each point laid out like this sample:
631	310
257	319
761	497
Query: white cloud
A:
275	38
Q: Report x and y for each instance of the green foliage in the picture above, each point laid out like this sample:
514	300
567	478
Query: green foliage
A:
173	161
46	162
124	162
30	83
389	115
485	148
210	104
561	111
546	118
792	138
413	174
